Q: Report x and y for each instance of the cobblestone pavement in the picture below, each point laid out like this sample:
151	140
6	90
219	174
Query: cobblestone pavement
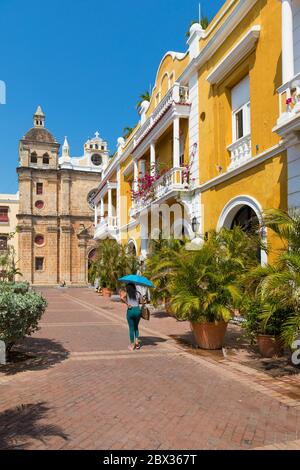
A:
81	388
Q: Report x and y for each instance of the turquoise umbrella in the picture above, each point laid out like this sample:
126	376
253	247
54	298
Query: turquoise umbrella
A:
135	279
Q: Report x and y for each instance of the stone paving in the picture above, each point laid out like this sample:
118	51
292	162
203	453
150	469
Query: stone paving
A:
81	388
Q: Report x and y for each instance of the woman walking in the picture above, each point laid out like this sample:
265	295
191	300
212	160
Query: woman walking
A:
132	298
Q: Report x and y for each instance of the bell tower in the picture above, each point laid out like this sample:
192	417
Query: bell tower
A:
39	118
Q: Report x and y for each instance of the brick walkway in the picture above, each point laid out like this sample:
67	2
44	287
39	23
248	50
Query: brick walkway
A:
82	388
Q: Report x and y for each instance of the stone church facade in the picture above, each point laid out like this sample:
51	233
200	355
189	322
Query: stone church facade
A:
55	219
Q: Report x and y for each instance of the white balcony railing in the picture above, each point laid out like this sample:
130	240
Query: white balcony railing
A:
106	226
177	94
174	179
289	100
240	151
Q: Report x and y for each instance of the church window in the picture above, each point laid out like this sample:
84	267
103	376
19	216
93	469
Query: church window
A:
96	146
39	264
96	159
3	242
39	204
39	188
39	240
33	158
3	214
46	159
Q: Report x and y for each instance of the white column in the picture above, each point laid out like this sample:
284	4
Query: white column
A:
152	158
176	143
102	209
287	41
135	174
109	203
142	168
96	215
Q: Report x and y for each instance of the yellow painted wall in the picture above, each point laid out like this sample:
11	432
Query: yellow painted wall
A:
168	66
12	202
264	68
164	150
266	183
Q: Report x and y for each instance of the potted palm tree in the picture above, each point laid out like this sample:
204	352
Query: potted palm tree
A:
204	292
112	262
263	329
204	286
159	268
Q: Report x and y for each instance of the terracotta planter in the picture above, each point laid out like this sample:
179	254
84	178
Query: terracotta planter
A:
106	292
209	335
168	308
269	346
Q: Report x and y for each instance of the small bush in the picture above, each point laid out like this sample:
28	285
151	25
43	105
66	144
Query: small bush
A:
20	312
16	287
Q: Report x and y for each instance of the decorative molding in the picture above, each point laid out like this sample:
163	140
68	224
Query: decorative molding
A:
239	12
235	55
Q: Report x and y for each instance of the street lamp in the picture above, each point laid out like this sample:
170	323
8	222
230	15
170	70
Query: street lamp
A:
195	224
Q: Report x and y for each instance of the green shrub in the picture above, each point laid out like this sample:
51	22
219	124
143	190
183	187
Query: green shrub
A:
16	287
20	312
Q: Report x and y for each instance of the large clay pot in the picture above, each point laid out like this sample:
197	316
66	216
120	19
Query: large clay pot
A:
168	308
106	292
209	335
269	346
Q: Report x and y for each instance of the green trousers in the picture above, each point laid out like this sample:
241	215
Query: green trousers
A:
133	319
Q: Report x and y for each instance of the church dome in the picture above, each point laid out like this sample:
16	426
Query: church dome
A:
39	134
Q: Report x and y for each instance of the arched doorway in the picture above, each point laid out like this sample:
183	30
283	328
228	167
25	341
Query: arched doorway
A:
245	212
131	248
246	218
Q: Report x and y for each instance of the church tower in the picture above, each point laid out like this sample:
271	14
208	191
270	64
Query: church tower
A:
38	213
56	215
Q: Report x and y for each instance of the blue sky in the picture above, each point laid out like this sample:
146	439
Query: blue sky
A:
85	62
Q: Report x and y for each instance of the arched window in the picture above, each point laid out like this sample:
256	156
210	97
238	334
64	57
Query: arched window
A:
33	157
46	159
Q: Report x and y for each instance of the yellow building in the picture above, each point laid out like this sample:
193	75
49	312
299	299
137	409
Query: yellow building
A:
208	149
9	208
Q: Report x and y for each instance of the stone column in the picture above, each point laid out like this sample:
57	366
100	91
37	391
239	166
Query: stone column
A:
25	188
26	252
52	258
287	41
65	194
83	261
65	254
176	142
